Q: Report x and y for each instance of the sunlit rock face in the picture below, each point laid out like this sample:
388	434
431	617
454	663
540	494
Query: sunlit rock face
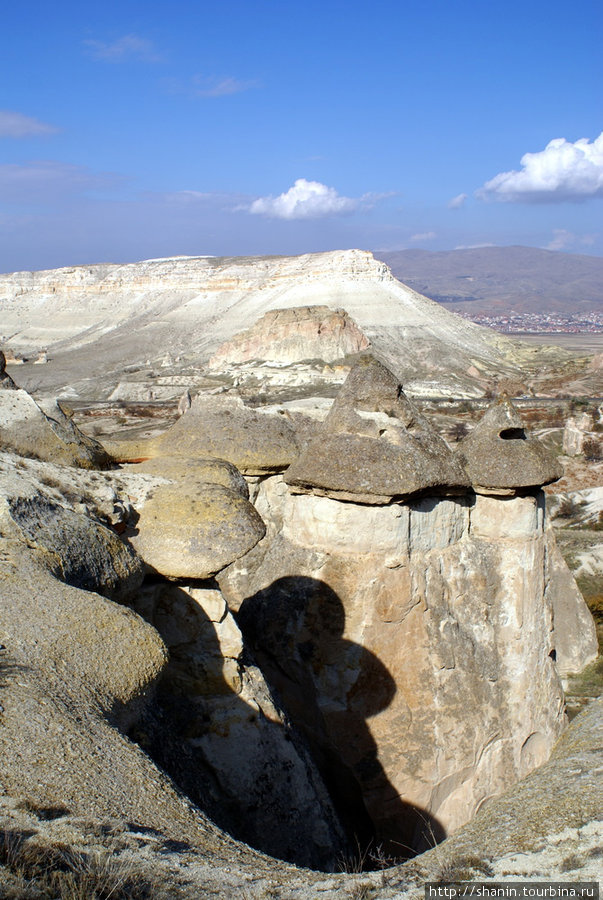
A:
411	641
293	335
100	324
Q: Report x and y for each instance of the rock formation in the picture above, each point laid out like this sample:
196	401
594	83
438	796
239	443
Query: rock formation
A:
374	445
6	382
43	430
411	640
293	335
110	324
376	658
500	456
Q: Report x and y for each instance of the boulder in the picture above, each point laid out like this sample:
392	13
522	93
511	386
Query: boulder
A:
374	445
182	470
188	531
499	454
46	508
44	431
256	443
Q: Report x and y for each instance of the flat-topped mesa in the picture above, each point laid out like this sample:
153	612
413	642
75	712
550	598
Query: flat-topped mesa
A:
374	446
501	457
294	335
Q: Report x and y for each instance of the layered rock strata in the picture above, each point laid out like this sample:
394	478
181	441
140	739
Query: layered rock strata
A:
293	335
102	323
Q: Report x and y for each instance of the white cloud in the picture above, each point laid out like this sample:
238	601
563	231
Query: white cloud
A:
562	171
562	239
16	125
473	246
424	236
305	200
221	87
457	201
128	47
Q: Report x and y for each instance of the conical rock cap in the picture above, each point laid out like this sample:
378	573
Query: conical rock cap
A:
374	446
499	454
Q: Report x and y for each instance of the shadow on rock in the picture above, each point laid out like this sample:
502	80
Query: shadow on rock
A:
224	741
329	687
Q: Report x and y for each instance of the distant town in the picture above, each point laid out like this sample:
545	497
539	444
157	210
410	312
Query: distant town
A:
540	323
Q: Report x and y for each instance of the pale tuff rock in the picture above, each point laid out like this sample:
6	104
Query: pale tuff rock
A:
415	624
237	755
499	455
548	824
44	431
374	445
77	668
293	335
575	633
100	316
578	432
185	532
223	427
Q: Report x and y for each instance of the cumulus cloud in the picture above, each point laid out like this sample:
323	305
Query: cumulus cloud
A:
562	171
562	239
123	49
16	125
457	201
305	200
221	87
424	236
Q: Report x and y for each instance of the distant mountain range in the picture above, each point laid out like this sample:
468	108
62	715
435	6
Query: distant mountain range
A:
494	280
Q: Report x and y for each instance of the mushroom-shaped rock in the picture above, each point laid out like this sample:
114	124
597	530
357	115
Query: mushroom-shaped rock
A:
256	443
500	456
184	532
374	446
195	472
44	431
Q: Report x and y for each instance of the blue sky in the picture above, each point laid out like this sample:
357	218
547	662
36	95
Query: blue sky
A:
133	130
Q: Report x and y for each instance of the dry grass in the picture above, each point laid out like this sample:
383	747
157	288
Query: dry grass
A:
40	871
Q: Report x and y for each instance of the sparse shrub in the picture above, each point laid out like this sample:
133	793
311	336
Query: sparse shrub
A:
571	862
569	508
50	481
362	892
464	868
458	431
593	450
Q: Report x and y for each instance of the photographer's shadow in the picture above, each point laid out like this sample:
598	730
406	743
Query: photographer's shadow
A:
329	686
